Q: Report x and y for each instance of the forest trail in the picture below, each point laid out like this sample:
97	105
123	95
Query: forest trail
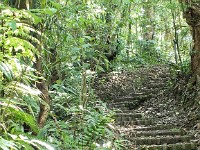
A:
144	125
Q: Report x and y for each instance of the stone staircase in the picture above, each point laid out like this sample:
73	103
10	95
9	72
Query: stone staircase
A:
142	131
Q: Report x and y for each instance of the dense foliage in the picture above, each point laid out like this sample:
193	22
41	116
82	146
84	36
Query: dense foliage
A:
50	53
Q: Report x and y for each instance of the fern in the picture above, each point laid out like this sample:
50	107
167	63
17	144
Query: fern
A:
22	88
25	118
6	145
6	70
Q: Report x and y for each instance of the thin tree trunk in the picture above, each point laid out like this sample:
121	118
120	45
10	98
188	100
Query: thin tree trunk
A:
176	39
129	32
42	85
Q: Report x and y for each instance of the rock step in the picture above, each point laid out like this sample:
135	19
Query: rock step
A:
133	117
154	127
153	133
133	98
129	115
147	121
127	105
155	85
160	140
147	91
150	90
156	76
123	108
124	111
177	146
127	118
153	78
124	103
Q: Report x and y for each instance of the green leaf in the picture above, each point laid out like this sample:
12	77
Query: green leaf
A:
86	45
99	68
6	69
23	88
74	58
44	144
7	145
13	25
26	118
43	3
36	18
56	5
50	11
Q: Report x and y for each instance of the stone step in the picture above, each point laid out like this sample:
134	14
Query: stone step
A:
141	98
124	111
160	140
177	146
150	78
120	117
154	90
127	105
123	103
154	133
155	85
158	82
147	121
132	115
154	127
123	108
158	76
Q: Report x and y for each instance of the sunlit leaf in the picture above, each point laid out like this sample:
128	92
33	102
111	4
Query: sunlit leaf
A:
13	25
24	88
50	11
6	69
56	5
7	145
43	3
44	144
26	118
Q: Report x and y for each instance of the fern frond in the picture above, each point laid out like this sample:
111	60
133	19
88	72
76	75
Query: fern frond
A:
22	88
28	28
43	144
28	48
26	36
17	114
7	145
6	69
6	103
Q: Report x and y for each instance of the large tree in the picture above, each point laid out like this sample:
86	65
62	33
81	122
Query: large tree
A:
191	10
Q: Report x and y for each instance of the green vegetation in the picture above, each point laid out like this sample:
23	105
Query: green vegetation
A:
51	51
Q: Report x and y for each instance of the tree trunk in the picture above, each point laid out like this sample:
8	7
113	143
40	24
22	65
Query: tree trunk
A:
148	28
195	57
42	85
129	40
192	15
